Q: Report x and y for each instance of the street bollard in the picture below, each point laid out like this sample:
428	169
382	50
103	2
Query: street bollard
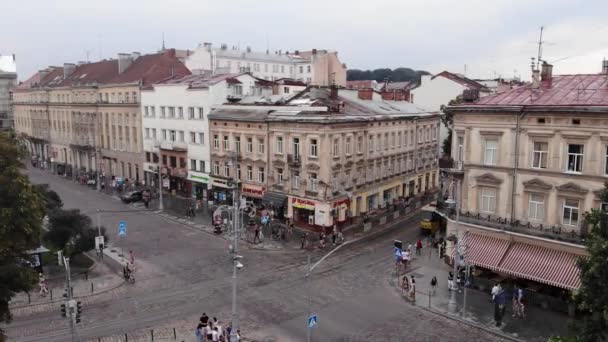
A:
92	287
29	299
72	290
51	291
174	334
86	275
152	334
126	338
99	339
429	299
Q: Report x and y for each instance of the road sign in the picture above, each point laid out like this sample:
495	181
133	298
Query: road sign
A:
312	321
122	228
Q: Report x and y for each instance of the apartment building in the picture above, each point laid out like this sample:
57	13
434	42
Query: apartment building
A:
325	155
531	161
8	81
174	114
316	67
81	118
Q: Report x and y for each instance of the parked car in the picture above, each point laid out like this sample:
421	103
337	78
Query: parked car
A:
132	196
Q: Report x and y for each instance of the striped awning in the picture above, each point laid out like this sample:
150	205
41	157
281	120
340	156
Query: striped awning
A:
482	250
543	265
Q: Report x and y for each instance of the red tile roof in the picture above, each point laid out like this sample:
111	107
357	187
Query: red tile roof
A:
146	69
564	90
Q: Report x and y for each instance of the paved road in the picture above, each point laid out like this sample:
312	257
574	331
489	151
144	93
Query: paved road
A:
184	272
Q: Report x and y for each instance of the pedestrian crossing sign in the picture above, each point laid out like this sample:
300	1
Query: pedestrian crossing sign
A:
312	321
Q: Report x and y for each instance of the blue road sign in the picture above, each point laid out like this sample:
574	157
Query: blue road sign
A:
122	228
312	321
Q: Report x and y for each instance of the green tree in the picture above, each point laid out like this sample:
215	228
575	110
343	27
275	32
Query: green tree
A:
51	198
21	213
71	231
592	297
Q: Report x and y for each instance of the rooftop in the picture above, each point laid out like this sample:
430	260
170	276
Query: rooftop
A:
582	90
467	82
201	80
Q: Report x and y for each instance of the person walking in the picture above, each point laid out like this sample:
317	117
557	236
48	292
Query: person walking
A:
413	289
198	333
418	247
410	248
302	240
450	281
434	285
322	240
515	308
499	306
257	234
334	235
43	287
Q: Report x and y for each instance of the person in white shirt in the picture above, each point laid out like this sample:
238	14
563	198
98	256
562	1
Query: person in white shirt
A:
215	336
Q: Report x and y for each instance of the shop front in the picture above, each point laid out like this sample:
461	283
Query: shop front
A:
340	211
309	214
200	185
253	192
221	192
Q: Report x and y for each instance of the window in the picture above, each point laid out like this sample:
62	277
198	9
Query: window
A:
459	154
336	150
249	173
359	144
301	69
490	152
201	166
393	140
181	136
261	148
312	182
226	143
146	111
216	142
286	90
295	180
164	160
216	168
171	112
163	132
238	171
570	216
147	133
296	148
249	145
280	145
347	147
536	207
606	161
193	164
540	153
152	111
201	138
488	200
575	158
153	133
172	161
385	141
226	169
162	112
237	144
191	113
280	176
261	176
308	69
180	112
371	144
200	113
193	137
314	152
173	135
378	142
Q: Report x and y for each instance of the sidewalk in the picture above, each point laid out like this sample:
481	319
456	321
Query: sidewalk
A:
539	324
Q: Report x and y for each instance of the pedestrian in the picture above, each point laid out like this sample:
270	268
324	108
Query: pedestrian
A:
458	281
413	288
322	240
499	306
302	241
495	290
406	259
43	287
204	319
198	333
220	330
450	281
405	284
131	257
215	336
520	302
334	235
418	247
434	285
257	234
410	248
515	307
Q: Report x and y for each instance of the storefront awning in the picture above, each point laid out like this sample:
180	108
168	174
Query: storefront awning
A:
543	265
274	198
482	250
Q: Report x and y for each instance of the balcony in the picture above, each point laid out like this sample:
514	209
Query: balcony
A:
553	232
173	146
294	160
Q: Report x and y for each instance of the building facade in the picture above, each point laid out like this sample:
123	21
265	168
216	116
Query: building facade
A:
317	67
8	81
327	155
83	118
175	126
533	160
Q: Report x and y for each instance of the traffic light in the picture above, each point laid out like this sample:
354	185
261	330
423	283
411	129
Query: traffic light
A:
78	311
65	293
63	311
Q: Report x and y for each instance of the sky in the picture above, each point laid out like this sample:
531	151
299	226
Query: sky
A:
492	38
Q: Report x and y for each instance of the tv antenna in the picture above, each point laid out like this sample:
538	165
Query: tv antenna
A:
540	47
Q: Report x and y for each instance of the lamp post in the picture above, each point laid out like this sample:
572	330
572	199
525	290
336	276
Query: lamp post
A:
309	270
452	301
160	190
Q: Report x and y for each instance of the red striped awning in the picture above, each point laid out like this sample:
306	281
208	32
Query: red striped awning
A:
482	250
543	265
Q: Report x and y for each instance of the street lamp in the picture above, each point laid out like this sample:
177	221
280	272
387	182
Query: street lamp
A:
160	190
309	270
456	192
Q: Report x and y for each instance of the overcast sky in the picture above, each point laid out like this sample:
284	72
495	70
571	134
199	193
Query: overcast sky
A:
491	37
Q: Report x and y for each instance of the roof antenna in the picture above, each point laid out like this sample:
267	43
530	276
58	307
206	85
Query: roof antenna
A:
465	70
540	47
163	48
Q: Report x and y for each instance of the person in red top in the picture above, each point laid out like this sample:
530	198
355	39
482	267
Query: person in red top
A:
418	247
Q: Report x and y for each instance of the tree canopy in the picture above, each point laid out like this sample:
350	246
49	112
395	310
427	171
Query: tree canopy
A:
21	211
393	75
71	231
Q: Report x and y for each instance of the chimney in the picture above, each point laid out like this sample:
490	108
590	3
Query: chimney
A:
43	73
68	69
224	46
546	72
333	92
135	55
535	79
297	52
605	67
365	94
314	51
249	49
124	60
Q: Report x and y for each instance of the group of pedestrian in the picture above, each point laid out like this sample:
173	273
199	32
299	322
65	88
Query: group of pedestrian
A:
211	329
408	285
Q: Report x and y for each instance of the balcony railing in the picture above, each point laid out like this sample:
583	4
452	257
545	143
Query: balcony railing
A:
294	160
553	232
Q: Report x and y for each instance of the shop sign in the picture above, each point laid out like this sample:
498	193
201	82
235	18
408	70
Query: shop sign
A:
302	203
340	202
198	177
253	191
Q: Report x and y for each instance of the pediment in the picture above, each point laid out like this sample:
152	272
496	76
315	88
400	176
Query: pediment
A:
537	184
572	187
488	178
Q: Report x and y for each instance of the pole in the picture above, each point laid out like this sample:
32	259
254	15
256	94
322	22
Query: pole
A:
308	290
235	260
160	190
452	301
98	222
69	308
